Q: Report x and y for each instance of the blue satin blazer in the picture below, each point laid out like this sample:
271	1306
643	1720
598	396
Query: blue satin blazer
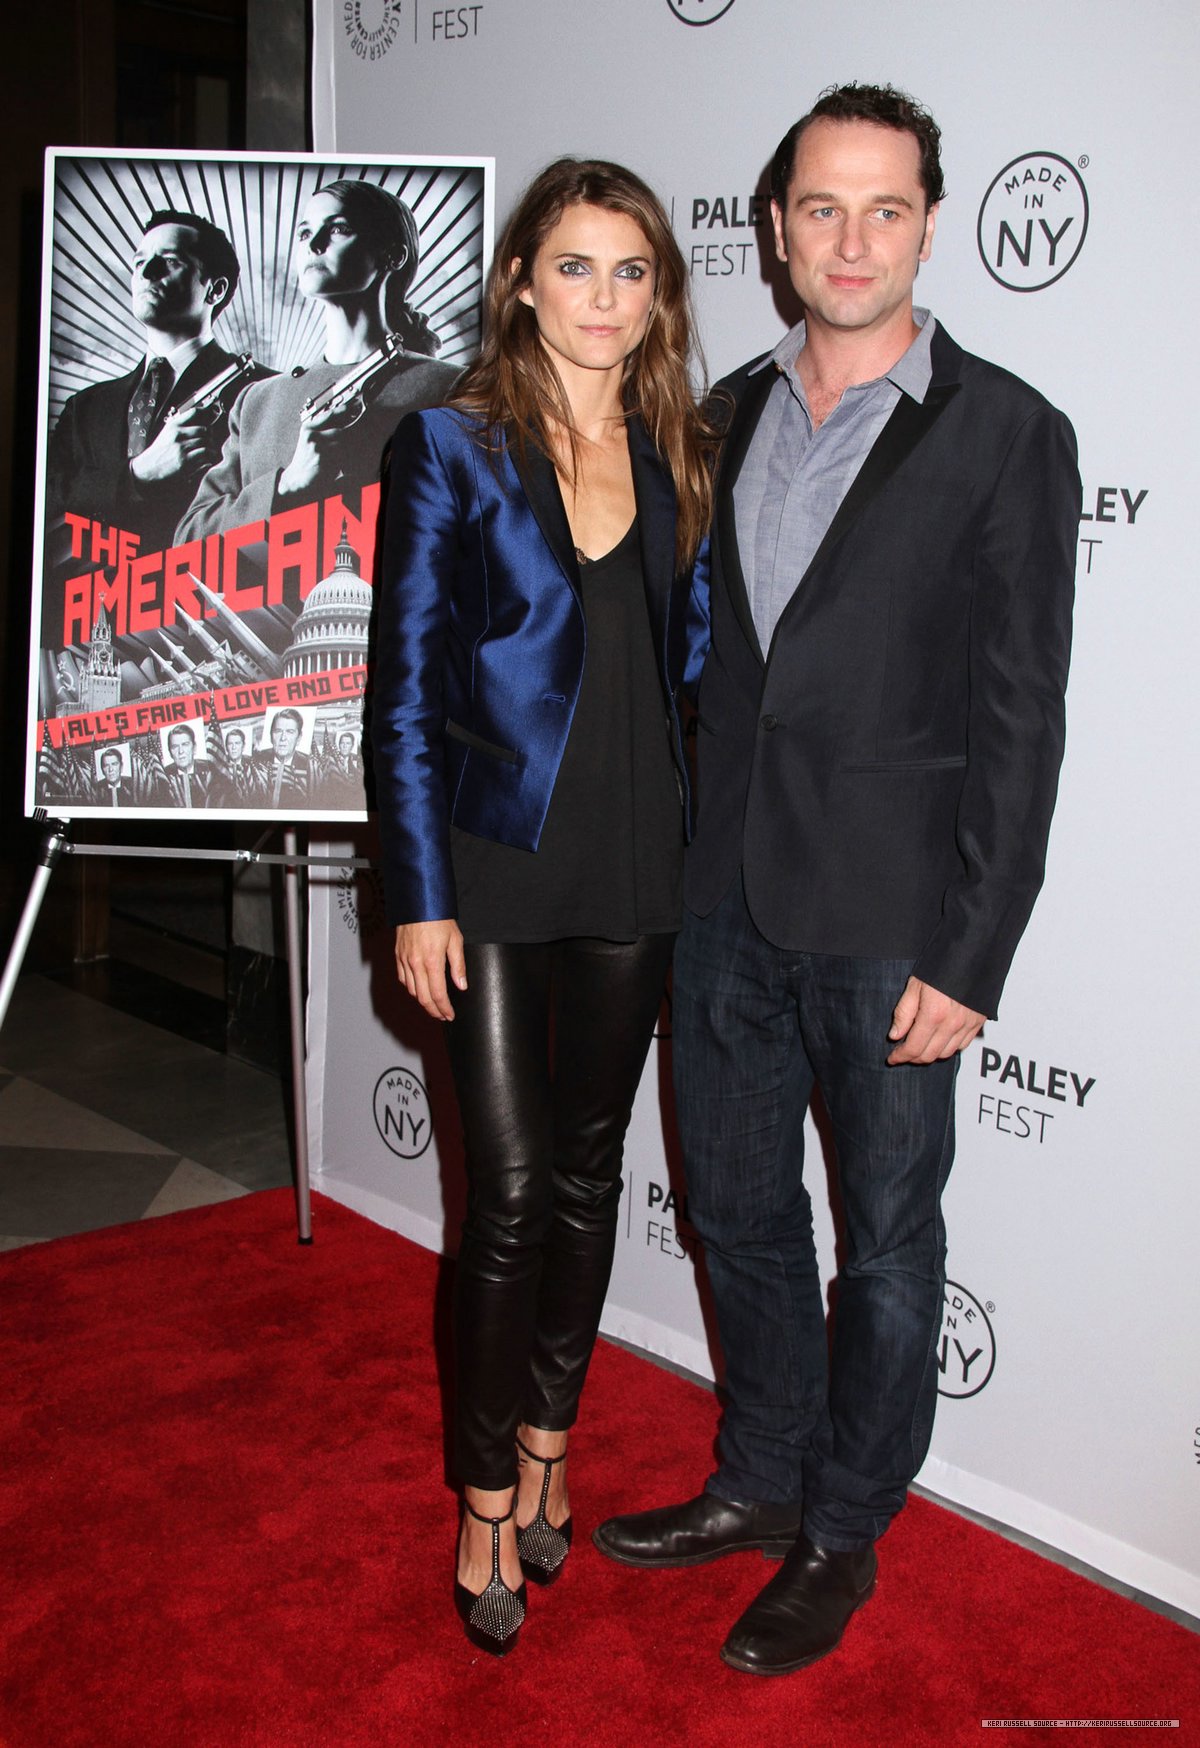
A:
482	642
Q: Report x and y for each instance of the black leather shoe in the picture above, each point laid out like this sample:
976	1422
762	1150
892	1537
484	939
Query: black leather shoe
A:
802	1613
701	1529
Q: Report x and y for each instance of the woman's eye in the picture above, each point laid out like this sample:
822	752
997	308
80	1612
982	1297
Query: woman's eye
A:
632	271
573	268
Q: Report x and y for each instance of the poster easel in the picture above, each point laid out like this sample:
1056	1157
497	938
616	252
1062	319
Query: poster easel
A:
57	843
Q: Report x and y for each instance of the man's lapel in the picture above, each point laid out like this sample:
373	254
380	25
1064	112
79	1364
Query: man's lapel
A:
908	425
742	427
910	421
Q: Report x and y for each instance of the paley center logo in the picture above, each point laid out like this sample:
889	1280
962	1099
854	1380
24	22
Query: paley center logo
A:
371	26
402	1112
699	11
360	900
967	1344
1033	221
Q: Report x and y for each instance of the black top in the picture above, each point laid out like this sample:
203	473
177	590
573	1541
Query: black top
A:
610	857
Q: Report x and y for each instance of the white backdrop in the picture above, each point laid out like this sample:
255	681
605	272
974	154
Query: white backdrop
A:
1066	250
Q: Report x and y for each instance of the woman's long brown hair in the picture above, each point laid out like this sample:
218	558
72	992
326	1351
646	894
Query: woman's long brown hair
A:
513	386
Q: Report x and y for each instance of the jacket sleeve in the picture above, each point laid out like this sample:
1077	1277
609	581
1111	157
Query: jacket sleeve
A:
1018	654
86	469
420	556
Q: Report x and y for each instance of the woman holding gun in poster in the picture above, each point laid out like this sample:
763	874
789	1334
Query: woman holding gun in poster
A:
541	604
294	438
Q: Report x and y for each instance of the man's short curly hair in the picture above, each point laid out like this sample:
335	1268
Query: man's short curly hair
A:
881	104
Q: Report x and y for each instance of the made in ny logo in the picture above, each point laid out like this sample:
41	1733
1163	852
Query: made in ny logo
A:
699	11
402	1113
1033	221
967	1346
371	26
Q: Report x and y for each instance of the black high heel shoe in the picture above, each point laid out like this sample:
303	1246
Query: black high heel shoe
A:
494	1617
541	1548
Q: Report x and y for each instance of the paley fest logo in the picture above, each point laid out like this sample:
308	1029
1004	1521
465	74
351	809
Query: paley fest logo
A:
402	1112
967	1344
371	26
1033	221
668	1228
699	11
1007	1104
1116	506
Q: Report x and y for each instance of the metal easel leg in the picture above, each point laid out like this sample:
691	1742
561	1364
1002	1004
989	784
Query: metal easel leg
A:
291	888
52	848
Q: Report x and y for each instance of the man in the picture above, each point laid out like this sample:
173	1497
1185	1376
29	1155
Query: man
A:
186	783
284	773
880	731
117	454
348	762
113	789
238	779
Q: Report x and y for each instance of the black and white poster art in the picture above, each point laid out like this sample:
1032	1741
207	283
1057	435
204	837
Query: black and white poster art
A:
227	345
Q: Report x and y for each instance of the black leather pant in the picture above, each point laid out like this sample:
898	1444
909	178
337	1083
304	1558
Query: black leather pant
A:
547	1048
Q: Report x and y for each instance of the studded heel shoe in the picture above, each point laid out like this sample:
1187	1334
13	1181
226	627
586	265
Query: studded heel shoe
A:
541	1548
494	1617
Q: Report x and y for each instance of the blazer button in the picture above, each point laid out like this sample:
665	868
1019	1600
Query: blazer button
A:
770	722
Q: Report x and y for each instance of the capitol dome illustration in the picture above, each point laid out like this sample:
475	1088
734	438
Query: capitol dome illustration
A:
331	631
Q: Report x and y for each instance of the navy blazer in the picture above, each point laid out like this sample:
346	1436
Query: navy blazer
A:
482	643
884	775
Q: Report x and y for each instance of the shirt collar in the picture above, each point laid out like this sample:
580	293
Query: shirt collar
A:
911	373
183	355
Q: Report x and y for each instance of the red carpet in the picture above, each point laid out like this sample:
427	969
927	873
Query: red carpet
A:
224	1524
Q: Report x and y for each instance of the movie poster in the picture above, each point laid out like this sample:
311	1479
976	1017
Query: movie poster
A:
227	345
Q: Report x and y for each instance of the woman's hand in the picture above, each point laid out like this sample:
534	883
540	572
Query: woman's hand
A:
423	952
316	451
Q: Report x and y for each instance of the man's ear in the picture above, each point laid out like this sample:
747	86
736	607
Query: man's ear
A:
777	225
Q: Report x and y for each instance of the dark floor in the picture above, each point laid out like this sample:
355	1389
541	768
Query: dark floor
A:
117	1101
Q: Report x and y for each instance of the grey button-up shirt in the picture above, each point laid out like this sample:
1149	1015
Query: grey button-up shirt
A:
794	478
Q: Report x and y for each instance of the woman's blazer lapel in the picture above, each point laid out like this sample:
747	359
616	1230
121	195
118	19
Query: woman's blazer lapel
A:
536	473
654	493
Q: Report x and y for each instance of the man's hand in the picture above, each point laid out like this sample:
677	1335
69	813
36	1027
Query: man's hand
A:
179	448
930	1025
423	951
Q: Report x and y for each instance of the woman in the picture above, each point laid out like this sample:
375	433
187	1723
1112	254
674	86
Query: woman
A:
538	612
355	253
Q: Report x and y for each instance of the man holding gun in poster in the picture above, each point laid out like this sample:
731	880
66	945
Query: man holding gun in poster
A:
130	451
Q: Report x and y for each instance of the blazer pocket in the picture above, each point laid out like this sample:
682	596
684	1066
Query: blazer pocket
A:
955	762
456	732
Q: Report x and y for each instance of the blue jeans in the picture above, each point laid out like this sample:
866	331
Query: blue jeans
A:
842	1428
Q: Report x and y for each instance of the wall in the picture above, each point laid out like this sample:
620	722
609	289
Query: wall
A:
1072	1409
